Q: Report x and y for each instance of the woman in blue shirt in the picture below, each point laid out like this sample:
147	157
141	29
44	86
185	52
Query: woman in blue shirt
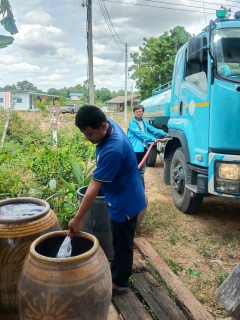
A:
141	134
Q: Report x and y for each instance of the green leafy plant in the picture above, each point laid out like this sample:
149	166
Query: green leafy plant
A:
221	277
82	178
65	201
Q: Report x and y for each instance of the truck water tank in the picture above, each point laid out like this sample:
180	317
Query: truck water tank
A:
157	109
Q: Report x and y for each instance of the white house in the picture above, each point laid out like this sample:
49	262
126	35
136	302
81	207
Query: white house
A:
117	103
20	99
75	96
17	99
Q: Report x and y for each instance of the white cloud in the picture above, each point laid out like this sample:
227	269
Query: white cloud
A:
39	16
50	49
40	39
54	80
24	67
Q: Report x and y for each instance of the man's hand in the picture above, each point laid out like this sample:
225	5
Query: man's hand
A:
76	224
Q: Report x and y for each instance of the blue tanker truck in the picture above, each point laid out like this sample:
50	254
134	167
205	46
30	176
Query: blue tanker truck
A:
200	109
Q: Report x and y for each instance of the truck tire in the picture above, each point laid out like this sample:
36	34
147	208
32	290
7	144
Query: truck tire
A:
181	195
152	157
72	111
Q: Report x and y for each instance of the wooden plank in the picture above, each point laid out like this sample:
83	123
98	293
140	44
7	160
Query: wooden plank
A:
130	307
229	293
188	303
113	314
158	301
138	263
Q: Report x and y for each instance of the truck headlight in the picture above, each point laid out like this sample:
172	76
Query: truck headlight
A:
228	171
227	177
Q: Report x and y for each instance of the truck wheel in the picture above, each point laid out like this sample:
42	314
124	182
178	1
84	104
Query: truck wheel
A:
72	111
181	196
152	157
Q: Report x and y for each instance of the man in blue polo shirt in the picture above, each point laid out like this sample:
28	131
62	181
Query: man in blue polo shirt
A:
118	177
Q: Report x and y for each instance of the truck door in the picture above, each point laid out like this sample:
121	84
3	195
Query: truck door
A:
191	107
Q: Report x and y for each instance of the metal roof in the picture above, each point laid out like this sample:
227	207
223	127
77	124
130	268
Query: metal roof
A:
30	92
121	99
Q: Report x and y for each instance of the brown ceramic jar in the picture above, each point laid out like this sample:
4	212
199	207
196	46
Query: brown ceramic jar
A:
78	287
22	220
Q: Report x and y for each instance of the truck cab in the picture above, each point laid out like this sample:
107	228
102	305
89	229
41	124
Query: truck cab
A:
202	157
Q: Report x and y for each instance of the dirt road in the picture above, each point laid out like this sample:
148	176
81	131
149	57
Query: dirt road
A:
202	248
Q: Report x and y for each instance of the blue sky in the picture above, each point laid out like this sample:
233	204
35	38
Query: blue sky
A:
50	49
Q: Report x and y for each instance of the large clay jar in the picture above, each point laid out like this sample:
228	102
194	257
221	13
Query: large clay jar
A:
22	220
78	287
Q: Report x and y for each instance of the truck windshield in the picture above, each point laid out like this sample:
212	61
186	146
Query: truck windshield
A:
226	43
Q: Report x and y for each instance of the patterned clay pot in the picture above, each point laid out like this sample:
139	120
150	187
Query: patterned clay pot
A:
75	288
22	220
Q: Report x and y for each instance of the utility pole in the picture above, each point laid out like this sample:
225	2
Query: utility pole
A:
125	103
90	53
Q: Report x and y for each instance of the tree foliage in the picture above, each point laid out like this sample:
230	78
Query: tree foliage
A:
25	85
100	95
103	94
154	64
120	93
8	22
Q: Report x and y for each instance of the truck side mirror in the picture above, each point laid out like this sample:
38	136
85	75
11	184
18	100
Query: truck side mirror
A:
195	50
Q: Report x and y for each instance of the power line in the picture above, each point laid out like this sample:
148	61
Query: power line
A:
146	5
111	28
200	1
176	4
107	31
212	2
168	8
114	66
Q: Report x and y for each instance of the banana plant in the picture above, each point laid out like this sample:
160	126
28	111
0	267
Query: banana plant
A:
82	178
66	203
8	22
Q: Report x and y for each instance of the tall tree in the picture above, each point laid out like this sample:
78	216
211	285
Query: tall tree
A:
103	94
53	91
8	87
120	93
25	85
154	64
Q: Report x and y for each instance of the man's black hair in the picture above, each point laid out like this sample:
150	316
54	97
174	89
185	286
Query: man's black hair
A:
137	107
91	116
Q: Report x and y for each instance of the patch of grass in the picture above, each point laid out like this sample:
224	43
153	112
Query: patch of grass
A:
221	277
133	287
159	216
174	237
174	266
232	240
204	249
201	286
159	279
